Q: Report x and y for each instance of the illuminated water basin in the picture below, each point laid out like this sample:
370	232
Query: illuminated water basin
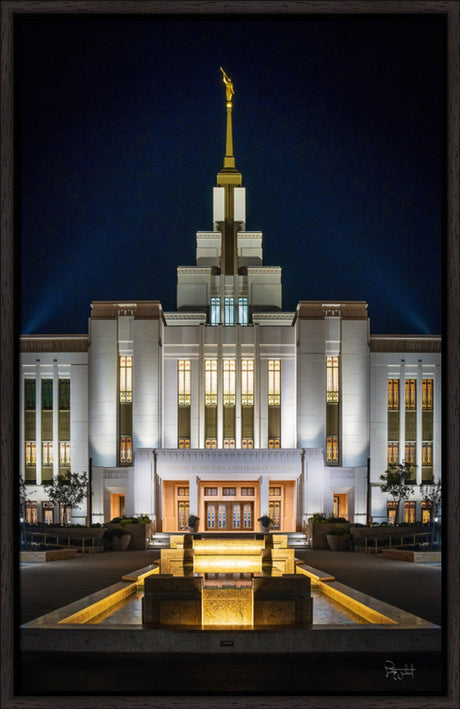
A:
325	611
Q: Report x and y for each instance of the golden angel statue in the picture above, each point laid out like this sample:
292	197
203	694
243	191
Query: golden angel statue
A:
228	85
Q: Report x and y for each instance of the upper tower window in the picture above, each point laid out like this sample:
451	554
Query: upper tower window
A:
229	315
215	311
243	311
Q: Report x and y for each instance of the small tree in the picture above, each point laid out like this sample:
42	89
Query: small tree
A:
68	489
398	482
431	493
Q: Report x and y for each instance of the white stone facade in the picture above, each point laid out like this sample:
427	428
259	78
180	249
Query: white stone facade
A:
322	449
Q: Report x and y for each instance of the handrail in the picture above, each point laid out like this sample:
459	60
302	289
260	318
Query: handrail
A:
396	536
29	536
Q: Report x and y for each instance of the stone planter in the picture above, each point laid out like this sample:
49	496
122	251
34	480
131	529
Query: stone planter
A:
120	543
318	532
140	534
338	542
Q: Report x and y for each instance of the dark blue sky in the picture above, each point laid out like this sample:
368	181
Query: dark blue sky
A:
338	132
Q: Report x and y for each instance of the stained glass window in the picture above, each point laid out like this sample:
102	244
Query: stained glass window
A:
274	382
393	452
332	371
410	394
427	394
29	394
332	449
31	453
215	311
229	382
229	315
64	453
211	382
126	380
183	384
64	394
247	382
47	453
243	311
126	449
393	394
47	394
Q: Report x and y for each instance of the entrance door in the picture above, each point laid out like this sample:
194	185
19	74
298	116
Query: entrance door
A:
341	505
224	516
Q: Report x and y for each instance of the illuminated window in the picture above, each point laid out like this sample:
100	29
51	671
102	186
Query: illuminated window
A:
47	394
210	443
410	385
64	453
229	491
332	449
427	453
243	311
274	382
183	491
229	382
332	377
183	443
47	453
64	394
210	491
182	514
31	513
427	394
229	312
65	513
274	443
229	443
274	512
410	452
126	380
247	443
426	512
211	517
29	394
393	394
126	449
210	376
274	491
247	492
31	453
393	452
247	517
48	512
222	516
247	382
409	512
392	508
236	516
215	311
183	385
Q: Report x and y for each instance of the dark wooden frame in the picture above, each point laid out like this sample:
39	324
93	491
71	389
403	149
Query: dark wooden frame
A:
9	9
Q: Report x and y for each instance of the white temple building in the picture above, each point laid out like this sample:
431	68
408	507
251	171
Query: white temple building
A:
229	407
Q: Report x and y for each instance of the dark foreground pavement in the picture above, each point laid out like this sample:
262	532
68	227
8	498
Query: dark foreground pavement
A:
45	587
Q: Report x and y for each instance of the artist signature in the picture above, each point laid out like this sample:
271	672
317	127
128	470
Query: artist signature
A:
398	672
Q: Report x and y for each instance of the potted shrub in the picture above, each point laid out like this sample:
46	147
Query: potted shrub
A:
265	523
339	538
117	539
193	523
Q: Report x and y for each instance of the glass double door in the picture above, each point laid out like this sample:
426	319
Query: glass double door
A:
222	515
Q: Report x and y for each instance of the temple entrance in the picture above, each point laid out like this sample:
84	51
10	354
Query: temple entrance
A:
222	515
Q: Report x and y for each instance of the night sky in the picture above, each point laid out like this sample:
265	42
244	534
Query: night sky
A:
338	132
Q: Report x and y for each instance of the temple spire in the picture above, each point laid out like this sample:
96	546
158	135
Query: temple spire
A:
229	175
229	160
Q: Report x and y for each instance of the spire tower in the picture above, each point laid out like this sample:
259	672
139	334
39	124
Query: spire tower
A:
229	178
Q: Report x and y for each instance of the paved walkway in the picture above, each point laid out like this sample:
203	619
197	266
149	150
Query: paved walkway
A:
415	588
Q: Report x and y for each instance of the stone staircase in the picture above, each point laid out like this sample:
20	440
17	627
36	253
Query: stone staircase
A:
297	540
